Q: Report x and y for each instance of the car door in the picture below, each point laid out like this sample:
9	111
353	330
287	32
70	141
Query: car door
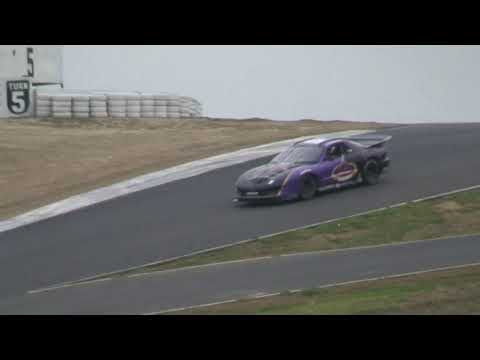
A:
347	170
332	160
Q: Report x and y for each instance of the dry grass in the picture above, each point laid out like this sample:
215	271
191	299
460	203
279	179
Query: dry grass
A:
47	160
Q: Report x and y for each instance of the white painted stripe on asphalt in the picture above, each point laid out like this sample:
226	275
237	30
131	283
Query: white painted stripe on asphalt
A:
453	267
313	253
191	307
151	273
306	253
356	215
365	247
279	233
67	285
200	266
263	295
397	205
446	193
161	177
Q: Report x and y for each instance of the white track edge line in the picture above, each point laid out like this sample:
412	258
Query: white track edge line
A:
386	277
278	233
222	263
67	285
201	266
313	253
191	307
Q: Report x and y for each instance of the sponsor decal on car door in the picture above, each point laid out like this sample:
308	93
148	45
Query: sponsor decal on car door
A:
347	169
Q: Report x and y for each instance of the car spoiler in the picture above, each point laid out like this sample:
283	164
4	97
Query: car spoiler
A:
371	141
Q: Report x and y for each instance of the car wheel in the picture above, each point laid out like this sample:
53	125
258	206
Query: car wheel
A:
308	187
371	172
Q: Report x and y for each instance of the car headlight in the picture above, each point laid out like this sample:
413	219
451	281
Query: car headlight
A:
271	181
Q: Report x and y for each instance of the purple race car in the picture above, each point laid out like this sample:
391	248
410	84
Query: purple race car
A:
314	165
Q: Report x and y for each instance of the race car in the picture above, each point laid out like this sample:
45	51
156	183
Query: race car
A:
314	165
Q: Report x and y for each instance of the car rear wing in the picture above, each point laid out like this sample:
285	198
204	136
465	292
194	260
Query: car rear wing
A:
371	141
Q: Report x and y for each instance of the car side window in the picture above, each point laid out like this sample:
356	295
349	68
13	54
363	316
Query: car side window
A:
334	151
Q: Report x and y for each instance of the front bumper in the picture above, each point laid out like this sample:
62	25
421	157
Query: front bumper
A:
258	196
264	194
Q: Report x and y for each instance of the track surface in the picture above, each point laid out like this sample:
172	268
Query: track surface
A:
196	286
197	213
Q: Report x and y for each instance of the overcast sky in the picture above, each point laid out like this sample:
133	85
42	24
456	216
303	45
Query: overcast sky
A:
378	83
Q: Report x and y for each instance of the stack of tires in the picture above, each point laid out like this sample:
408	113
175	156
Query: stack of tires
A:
191	107
102	104
117	105
184	107
134	106
43	105
174	107
98	106
61	105
80	106
161	105
196	108
147	105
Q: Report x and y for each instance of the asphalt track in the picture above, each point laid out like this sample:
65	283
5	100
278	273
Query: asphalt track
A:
157	178
222	282
197	213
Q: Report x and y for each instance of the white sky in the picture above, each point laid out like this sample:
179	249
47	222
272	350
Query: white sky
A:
371	83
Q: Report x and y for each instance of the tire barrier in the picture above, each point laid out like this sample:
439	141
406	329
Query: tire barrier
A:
43	106
117	105
134	104
81	106
98	106
147	106
61	105
102	104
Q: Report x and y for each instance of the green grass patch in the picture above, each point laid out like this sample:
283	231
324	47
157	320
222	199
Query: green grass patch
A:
443	292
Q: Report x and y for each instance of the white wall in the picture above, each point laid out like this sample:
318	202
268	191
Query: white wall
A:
379	83
45	62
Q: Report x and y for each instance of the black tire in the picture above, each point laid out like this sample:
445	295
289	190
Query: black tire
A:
308	187
371	172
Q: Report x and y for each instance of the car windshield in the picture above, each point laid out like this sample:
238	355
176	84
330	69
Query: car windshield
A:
299	154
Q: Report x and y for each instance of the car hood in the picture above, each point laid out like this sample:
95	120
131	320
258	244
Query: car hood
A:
267	171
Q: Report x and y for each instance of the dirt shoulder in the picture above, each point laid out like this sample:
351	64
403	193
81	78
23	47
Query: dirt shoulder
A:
43	161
